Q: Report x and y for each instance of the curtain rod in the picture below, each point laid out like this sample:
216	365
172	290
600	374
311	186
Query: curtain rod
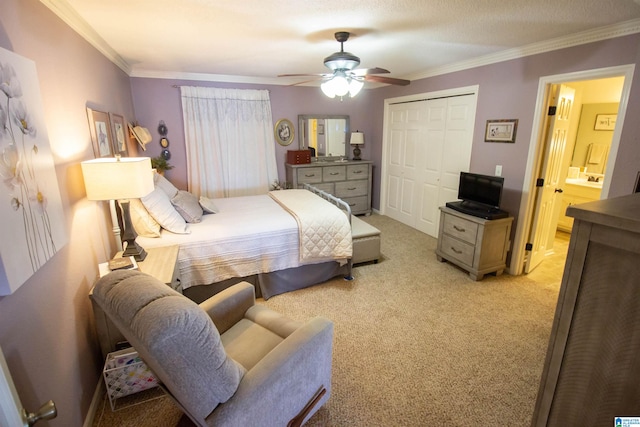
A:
179	86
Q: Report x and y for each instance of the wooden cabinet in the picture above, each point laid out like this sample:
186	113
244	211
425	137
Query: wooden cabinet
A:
575	194
350	181
475	244
592	367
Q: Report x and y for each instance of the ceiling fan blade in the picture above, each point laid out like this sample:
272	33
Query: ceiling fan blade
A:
368	71
387	80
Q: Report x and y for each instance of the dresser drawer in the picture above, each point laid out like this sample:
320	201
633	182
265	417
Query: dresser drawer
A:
456	249
309	175
357	204
352	188
334	173
327	187
461	228
358	171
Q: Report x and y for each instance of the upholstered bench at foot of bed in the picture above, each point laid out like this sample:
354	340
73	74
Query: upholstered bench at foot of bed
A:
366	241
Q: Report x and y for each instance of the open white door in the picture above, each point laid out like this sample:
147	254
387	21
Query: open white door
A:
12	413
547	198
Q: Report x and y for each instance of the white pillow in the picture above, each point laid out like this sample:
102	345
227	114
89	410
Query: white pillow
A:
142	221
208	206
187	206
159	206
163	183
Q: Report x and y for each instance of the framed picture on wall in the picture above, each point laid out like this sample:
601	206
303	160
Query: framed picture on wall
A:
119	135
283	132
503	130
100	128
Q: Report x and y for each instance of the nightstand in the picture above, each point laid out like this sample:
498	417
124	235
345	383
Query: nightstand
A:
161	263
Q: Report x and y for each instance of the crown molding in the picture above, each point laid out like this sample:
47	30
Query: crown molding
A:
603	33
65	12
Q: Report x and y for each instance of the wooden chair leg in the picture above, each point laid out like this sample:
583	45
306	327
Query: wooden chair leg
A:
298	419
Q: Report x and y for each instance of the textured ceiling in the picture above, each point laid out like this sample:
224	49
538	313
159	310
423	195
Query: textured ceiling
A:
256	40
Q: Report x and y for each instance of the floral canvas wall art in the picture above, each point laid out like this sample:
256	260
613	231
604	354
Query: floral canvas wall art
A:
32	221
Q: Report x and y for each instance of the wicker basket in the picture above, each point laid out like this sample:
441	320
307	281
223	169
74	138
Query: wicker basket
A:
125	373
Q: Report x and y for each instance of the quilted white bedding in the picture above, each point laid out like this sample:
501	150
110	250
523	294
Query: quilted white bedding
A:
249	235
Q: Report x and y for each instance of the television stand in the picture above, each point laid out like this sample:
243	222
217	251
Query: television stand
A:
478	210
474	244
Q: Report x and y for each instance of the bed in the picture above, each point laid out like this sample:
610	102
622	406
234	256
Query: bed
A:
279	242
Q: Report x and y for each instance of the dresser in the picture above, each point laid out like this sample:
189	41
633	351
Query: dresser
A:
349	180
477	245
590	375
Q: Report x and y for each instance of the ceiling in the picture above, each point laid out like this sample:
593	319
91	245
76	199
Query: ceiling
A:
253	41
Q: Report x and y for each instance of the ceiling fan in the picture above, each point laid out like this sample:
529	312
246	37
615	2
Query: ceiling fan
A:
345	77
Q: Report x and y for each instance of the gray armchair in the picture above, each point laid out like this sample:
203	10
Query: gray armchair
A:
227	361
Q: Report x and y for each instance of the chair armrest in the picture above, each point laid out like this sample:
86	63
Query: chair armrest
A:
280	385
228	307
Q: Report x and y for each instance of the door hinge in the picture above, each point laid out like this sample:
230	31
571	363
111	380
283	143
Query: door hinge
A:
528	247
540	182
552	111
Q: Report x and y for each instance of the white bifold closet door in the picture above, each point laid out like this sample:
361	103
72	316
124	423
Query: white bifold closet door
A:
428	144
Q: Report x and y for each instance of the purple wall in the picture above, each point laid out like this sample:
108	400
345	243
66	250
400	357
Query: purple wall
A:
157	99
46	327
506	90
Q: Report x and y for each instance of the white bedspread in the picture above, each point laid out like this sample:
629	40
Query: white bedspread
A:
325	231
250	235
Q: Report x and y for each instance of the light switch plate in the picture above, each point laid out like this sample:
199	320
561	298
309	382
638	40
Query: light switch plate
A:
498	170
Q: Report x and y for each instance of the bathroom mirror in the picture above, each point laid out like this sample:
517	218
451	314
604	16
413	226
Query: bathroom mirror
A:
326	135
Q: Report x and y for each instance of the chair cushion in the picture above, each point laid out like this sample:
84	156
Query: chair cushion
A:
174	336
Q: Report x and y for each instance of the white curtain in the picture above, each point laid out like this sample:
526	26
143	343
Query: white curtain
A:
229	140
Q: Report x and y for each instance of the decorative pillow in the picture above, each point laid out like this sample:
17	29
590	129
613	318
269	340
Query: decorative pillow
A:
142	221
208	206
163	183
187	205
159	206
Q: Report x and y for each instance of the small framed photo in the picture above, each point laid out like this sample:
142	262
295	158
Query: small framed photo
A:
100	128
503	130
283	132
605	122
119	135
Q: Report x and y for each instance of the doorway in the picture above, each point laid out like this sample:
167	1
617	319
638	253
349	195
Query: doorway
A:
534	213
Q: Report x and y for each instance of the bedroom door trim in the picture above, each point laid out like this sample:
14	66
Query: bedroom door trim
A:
537	144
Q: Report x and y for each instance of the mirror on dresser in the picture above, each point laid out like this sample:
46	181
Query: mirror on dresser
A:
325	134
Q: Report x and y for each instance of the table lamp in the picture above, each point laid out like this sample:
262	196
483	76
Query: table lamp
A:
116	178
357	138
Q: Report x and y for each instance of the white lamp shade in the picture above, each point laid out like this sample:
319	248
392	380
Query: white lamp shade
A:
117	178
357	138
327	89
355	86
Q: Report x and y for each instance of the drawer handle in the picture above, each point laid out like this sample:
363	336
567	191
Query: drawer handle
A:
355	172
351	189
334	173
455	250
462	230
352	204
309	176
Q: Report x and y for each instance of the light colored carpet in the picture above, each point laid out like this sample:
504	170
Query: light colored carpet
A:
417	342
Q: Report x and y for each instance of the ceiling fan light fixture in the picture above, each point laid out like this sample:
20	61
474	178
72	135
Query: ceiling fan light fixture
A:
327	89
355	86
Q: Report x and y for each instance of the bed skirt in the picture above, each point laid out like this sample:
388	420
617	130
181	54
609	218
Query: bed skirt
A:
275	282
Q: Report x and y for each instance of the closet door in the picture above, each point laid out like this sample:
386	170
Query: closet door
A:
428	144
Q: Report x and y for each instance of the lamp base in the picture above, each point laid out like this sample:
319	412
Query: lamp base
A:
356	153
135	250
129	235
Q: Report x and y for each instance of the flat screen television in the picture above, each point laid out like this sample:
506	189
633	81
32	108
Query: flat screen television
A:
480	195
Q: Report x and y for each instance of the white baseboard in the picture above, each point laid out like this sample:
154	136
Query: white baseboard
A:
98	397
